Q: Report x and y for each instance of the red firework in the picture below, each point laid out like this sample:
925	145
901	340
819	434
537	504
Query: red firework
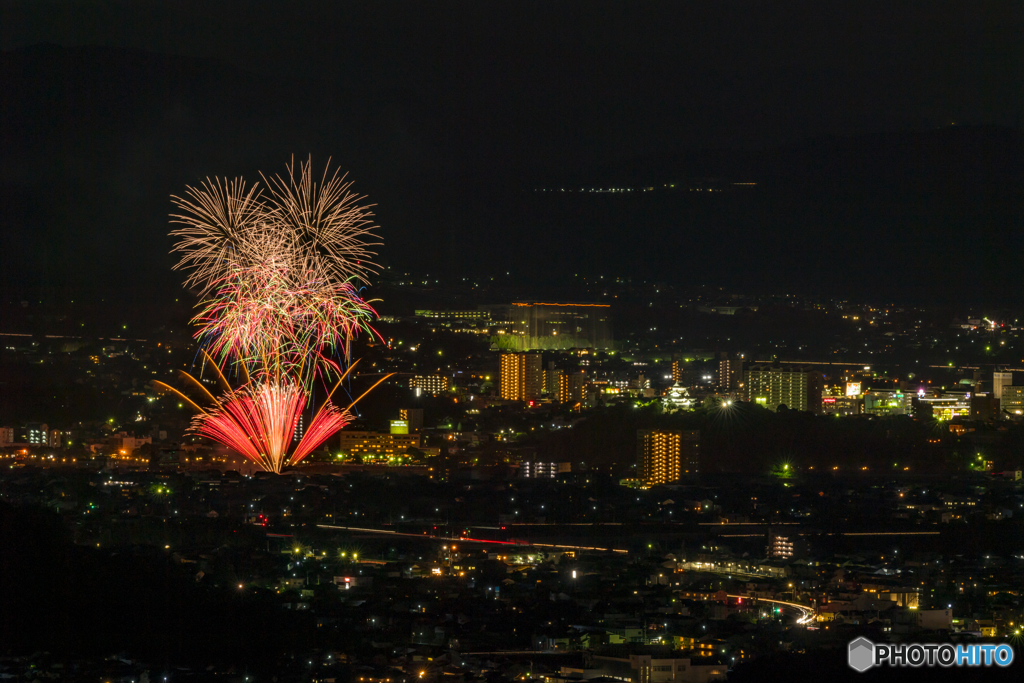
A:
259	419
260	424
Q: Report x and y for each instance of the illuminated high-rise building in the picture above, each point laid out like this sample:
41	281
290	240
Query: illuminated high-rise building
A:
571	386
33	433
772	386
413	418
37	434
1000	380
779	547
521	376
677	371
552	378
730	372
685	372
1011	401
664	455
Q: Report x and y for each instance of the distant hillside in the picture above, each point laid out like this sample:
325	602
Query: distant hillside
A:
94	140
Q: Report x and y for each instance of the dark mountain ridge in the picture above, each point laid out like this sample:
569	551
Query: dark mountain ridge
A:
93	141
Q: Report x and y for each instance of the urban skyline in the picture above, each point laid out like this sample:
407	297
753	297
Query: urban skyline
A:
405	342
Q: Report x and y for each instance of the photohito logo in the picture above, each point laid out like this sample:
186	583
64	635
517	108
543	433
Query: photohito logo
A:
862	654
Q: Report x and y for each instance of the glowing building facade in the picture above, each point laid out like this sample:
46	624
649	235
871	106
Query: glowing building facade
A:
796	388
521	376
664	455
1011	400
375	445
553	326
482	316
552	379
779	547
571	387
885	402
39	434
730	372
413	417
677	399
1000	380
429	384
537	469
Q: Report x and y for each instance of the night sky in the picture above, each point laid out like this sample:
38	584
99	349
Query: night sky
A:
885	137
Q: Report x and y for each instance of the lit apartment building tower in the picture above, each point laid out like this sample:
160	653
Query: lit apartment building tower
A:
551	378
429	384
677	371
571	386
730	372
413	417
780	547
521	376
6	436
1000	380
37	434
664	455
796	388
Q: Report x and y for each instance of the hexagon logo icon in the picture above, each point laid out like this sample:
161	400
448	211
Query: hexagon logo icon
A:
861	654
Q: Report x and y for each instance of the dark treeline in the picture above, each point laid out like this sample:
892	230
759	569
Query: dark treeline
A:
75	601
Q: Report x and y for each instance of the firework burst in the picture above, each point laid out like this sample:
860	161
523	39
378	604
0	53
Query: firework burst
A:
329	225
262	319
301	226
278	271
224	225
259	419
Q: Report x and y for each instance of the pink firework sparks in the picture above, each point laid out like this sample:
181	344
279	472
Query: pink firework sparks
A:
272	320
260	424
328	421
